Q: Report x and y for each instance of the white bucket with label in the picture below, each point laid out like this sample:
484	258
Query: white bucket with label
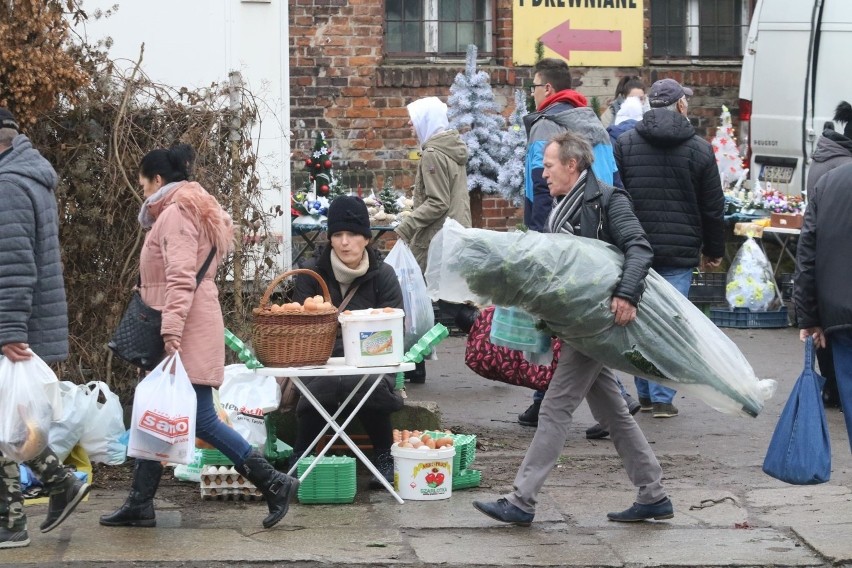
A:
423	475
372	338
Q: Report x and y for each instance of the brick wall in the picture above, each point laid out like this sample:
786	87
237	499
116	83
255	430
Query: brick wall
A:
342	85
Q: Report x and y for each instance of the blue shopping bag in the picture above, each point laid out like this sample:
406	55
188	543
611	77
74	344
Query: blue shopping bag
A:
800	449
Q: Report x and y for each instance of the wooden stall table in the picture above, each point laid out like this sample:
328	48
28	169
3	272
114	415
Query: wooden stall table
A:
337	367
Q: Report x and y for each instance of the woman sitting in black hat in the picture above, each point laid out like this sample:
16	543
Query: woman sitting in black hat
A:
357	279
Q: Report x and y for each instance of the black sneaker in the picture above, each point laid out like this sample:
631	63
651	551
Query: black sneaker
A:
13	538
63	504
632	406
596	432
645	404
529	417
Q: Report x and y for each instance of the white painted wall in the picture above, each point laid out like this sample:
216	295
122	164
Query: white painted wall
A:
194	43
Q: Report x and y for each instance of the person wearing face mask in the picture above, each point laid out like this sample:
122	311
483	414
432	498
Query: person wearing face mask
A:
440	191
671	175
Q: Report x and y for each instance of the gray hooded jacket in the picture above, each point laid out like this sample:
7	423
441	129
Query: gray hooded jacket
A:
32	291
833	149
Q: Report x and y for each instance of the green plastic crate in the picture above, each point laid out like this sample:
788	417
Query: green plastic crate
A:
466	479
331	481
214	457
465	445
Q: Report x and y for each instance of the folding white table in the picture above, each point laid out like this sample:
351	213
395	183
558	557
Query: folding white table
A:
337	367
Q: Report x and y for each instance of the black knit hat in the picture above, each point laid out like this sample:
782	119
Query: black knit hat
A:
7	120
347	213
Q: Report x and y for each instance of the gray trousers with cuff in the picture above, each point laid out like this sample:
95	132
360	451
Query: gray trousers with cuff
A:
577	377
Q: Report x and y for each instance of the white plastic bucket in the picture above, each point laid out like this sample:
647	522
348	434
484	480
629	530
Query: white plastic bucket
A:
372	339
423	475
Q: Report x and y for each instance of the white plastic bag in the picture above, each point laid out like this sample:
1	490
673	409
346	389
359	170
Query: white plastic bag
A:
419	315
246	397
104	428
163	424
66	432
29	400
750	282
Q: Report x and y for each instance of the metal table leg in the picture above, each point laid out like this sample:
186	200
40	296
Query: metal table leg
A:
339	429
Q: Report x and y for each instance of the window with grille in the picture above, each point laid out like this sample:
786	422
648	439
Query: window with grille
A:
438	28
693	28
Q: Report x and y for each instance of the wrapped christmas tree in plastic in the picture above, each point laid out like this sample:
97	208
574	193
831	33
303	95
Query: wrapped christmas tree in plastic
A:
750	283
568	281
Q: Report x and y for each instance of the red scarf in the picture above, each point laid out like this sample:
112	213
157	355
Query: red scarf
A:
569	96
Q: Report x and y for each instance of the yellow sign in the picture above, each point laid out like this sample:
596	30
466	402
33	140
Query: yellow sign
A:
588	33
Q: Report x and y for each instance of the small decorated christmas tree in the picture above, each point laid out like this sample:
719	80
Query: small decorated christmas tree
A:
510	180
728	158
473	112
319	165
388	197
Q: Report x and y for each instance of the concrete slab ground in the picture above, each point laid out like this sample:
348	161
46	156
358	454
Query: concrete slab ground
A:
727	512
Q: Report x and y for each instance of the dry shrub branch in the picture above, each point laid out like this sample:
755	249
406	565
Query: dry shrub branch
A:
94	133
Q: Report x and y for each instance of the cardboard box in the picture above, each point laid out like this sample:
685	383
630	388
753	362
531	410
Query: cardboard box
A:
786	220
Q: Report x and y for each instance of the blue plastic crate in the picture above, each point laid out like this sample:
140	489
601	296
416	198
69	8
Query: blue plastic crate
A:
745	318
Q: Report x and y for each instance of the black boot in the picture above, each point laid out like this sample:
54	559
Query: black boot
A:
529	417
465	317
383	461
418	375
278	488
138	509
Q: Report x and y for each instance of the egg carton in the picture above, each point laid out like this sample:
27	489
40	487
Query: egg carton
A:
226	483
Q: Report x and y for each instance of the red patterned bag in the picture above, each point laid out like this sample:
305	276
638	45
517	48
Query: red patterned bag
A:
501	363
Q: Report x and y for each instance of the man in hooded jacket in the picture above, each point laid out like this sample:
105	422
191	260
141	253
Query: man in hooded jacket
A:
833	150
670	173
440	186
33	313
440	191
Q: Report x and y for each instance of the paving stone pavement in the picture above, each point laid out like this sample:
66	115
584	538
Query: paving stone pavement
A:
728	513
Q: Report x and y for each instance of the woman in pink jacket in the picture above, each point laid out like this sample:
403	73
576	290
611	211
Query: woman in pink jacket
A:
185	223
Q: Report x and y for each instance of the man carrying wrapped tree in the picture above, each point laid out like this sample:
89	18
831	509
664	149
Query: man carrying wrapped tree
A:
590	208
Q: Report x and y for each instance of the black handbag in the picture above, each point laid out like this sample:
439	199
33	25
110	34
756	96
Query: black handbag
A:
137	338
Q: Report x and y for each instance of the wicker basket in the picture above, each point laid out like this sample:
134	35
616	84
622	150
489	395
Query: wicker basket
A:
294	340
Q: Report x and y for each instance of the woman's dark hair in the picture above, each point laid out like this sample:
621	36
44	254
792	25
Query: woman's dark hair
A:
172	164
627	84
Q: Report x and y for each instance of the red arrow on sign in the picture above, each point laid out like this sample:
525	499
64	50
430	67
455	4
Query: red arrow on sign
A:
562	39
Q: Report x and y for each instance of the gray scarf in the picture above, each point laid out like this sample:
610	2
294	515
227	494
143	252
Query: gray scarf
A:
565	211
345	275
145	218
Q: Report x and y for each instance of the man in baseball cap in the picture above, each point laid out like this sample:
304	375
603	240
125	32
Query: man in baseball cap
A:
671	174
666	92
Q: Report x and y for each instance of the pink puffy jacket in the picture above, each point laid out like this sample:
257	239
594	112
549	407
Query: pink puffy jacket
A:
189	222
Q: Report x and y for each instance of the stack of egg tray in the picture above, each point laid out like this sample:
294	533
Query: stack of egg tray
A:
213	456
331	481
466	479
465	445
225	483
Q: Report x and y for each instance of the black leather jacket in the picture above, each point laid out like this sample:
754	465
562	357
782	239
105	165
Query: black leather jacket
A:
607	215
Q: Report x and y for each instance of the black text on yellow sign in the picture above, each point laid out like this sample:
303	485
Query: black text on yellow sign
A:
593	33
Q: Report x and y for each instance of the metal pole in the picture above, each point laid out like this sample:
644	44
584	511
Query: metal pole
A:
235	106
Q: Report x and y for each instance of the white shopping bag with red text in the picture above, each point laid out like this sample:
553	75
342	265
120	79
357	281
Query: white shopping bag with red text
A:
246	397
163	423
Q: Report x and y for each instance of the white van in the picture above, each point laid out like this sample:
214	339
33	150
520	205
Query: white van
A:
797	67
